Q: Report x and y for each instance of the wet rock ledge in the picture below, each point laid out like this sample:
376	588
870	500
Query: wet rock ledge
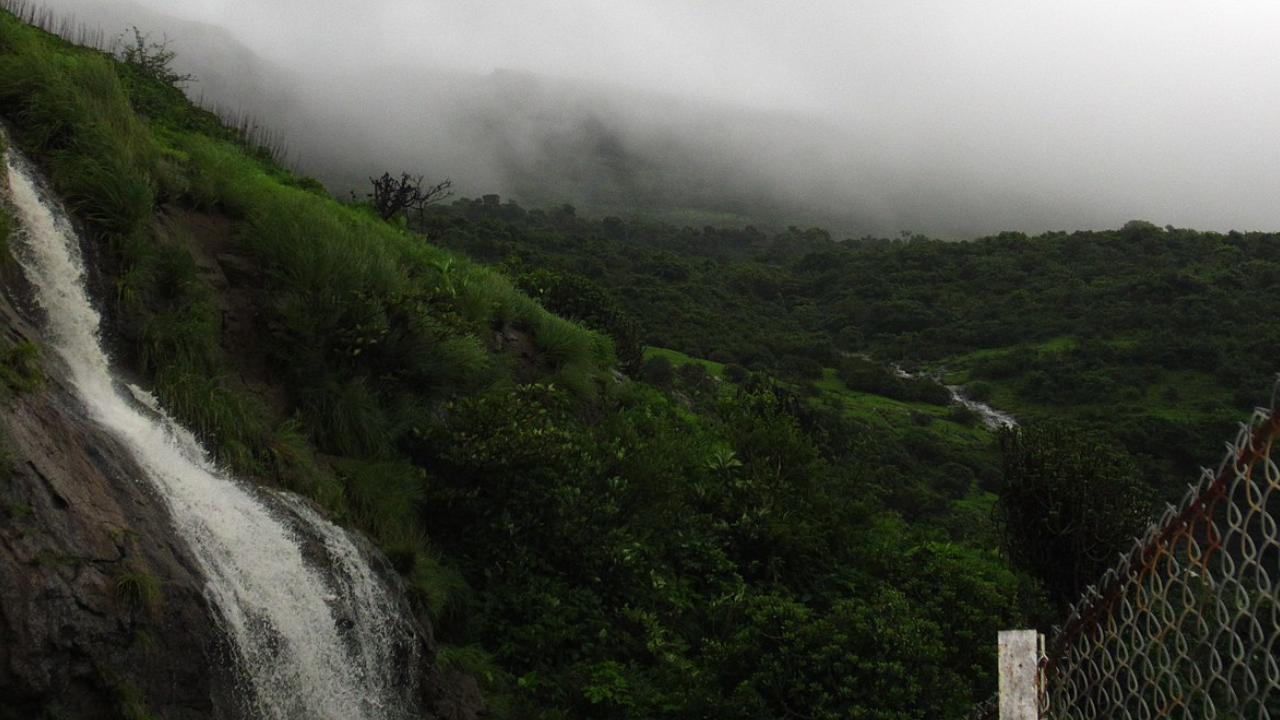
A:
101	609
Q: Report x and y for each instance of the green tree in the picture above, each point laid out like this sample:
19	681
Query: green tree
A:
1068	507
857	659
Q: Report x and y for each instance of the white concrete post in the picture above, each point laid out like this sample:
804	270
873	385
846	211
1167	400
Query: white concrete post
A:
1020	674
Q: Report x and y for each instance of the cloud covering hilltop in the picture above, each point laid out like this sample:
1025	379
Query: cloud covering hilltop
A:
949	119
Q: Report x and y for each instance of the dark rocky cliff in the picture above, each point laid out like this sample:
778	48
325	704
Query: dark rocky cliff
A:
101	608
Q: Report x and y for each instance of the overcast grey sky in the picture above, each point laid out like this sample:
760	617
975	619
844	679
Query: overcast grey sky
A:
1164	110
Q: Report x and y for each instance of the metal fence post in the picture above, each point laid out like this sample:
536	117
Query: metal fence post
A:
1020	674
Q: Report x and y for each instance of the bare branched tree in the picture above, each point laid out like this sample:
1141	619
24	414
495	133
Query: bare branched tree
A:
391	196
153	58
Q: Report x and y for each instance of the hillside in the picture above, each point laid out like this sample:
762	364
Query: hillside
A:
1149	335
690	492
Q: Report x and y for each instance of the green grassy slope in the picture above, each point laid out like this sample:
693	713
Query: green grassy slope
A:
367	328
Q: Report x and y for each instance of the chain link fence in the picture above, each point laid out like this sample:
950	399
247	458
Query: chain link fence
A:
1188	624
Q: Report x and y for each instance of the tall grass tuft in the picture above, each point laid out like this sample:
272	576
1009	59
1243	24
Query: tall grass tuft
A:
346	418
140	590
562	343
36	96
254	135
428	359
438	587
477	297
386	495
308	246
233	424
20	366
73	109
488	300
184	337
219	177
516	308
289	457
109	193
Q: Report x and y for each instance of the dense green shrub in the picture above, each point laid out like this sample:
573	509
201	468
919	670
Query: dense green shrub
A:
1069	506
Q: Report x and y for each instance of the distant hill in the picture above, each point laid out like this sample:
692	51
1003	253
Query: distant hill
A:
604	149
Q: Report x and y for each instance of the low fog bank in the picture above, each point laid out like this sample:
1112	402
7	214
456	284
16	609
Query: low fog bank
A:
948	166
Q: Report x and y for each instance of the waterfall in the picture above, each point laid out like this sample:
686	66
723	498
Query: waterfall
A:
992	418
312	637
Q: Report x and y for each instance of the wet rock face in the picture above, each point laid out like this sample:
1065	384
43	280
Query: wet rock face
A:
100	608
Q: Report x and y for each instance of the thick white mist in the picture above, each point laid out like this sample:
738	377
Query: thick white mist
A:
309	644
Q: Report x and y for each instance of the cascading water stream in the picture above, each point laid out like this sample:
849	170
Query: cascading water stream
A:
308	643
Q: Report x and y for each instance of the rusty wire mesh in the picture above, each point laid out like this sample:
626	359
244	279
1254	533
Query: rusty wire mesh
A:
1188	625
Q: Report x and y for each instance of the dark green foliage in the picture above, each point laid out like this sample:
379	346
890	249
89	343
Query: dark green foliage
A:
657	370
1153	309
6	227
855	659
139	590
971	596
578	298
20	366
132	704
1069	506
387	496
616	565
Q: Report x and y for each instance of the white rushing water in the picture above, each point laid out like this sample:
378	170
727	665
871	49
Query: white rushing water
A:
992	418
308	643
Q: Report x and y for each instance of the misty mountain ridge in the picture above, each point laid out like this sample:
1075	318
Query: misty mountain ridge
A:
950	169
540	140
